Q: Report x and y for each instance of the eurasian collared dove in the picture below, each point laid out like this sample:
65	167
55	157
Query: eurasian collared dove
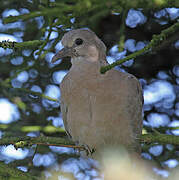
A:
98	110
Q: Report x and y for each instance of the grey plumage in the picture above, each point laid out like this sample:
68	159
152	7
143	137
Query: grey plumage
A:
98	109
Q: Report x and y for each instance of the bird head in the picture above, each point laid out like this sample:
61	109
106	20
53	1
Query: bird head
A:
81	44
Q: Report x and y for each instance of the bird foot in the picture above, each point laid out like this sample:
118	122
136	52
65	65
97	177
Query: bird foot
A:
88	150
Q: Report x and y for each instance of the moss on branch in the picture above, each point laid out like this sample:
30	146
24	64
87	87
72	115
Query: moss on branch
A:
28	44
25	141
160	139
11	173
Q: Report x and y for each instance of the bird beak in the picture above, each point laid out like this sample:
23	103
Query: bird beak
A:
65	52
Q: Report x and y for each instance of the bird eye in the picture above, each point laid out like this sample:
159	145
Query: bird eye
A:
78	41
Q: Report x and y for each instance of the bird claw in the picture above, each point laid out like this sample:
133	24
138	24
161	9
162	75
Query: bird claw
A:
88	150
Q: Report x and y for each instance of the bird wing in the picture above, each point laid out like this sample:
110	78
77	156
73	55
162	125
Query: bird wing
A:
138	93
129	96
129	87
64	110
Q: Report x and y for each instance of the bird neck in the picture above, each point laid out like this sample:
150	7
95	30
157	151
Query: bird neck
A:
86	61
82	64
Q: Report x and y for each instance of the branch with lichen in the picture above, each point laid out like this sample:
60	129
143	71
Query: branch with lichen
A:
160	139
21	142
154	44
28	44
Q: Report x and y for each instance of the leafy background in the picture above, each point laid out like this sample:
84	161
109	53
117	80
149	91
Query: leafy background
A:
30	33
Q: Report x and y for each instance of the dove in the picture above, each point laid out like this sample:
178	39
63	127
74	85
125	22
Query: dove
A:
98	110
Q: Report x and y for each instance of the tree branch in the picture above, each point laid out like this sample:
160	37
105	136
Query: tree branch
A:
160	139
79	8
20	142
7	85
27	44
8	172
156	41
25	141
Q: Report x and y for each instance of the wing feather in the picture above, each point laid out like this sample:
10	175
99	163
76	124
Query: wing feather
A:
64	110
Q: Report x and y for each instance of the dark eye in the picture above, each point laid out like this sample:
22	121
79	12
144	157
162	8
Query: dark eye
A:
78	41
